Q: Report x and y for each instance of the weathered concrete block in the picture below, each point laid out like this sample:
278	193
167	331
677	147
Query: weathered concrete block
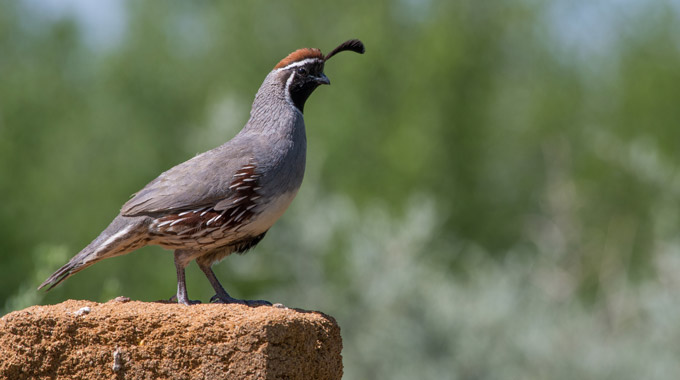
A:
139	340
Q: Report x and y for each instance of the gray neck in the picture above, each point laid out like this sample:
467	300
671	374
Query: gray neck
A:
276	135
272	110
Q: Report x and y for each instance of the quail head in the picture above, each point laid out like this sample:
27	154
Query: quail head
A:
224	200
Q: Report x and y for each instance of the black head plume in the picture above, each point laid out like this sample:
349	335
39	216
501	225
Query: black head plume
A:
353	45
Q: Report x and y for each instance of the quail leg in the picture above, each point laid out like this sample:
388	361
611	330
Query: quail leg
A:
221	295
181	296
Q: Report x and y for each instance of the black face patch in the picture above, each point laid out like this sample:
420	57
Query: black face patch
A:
304	82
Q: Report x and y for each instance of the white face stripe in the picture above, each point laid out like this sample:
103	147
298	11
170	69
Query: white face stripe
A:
301	63
289	100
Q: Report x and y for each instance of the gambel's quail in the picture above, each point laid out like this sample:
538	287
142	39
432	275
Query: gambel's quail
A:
224	200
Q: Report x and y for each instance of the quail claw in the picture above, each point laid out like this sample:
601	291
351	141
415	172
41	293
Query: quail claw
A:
173	299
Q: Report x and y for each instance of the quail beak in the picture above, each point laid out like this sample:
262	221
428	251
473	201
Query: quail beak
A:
322	79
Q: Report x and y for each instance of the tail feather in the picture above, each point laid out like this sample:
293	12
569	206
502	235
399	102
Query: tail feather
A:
62	274
122	236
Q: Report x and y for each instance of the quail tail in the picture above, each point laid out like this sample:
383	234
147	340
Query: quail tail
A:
123	235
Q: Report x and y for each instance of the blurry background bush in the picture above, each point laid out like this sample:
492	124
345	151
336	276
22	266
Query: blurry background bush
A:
492	189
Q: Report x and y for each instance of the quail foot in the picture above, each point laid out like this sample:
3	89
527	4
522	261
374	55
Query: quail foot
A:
224	200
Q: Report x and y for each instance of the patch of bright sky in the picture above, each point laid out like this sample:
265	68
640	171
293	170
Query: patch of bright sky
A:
103	22
590	33
588	30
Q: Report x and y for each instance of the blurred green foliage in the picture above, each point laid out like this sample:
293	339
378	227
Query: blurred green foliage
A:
492	189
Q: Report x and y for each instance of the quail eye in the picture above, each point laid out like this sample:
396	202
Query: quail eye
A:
302	71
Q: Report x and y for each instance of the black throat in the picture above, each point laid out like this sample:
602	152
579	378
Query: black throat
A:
300	89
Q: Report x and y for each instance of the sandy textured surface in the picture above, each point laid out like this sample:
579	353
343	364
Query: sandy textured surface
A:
140	340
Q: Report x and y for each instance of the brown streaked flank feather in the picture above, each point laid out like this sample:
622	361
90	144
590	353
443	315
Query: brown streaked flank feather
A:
227	215
299	55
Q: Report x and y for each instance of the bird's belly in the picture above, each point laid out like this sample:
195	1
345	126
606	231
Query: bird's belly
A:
267	213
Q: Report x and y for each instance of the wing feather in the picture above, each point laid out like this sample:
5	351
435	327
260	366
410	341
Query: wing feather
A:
202	181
